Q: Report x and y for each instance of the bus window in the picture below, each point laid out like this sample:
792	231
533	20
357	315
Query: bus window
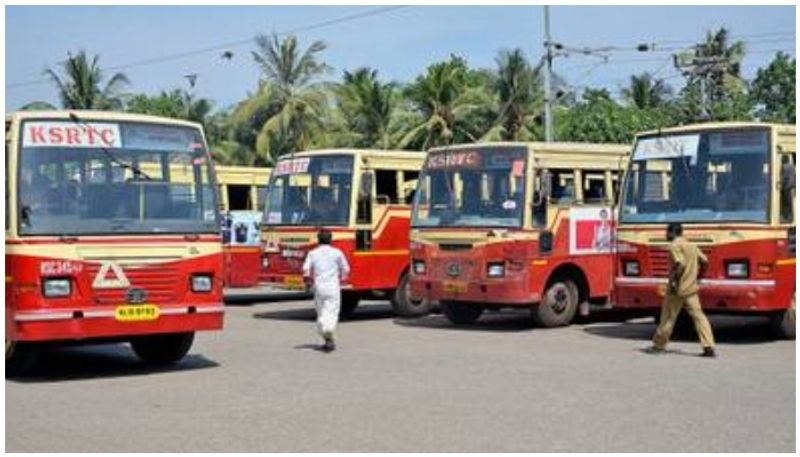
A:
409	185
787	186
386	182
238	197
563	186
261	195
594	188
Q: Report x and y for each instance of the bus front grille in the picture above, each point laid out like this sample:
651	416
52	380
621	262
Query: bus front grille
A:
659	262
162	284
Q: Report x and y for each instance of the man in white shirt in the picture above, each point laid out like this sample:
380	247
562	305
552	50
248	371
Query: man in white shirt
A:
325	268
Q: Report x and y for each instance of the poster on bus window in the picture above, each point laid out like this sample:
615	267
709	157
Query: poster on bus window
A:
242	228
591	230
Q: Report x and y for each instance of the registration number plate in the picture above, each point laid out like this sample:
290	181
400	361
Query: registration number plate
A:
136	313
454	286
294	282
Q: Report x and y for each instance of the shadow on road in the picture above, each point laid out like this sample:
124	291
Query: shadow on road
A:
361	313
100	361
490	321
247	299
727	329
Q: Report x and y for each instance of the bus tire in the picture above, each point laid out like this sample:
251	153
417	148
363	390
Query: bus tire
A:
461	313
404	305
558	306
348	304
162	349
20	358
783	323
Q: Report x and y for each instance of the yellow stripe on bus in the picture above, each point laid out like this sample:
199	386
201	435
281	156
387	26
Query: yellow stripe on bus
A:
388	252
785	262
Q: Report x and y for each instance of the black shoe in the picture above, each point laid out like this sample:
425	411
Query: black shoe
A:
708	352
653	350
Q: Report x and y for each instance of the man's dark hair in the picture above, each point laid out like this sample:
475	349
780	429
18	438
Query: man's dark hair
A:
674	230
324	236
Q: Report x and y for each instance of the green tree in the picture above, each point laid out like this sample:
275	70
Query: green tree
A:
645	91
519	96
80	84
177	103
366	106
289	94
444	102
773	90
37	106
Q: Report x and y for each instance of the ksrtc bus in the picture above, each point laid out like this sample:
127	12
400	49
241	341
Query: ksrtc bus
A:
526	225
731	186
103	241
364	198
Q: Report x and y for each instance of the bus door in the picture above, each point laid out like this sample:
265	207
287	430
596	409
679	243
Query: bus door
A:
365	202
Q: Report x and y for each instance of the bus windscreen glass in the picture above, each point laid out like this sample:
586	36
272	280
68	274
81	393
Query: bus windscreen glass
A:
707	177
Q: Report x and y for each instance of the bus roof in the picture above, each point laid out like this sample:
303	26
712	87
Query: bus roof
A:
91	115
789	128
553	148
369	153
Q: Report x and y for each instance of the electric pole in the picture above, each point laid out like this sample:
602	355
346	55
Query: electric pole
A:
548	100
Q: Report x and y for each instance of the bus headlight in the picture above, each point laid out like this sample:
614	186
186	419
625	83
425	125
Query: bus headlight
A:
53	288
632	268
201	283
495	270
419	267
737	269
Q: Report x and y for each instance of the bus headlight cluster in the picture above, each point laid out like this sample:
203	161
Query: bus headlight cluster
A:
632	268
53	288
495	270
201	283
419	267
737	269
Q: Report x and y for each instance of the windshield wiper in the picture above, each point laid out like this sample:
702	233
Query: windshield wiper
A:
137	172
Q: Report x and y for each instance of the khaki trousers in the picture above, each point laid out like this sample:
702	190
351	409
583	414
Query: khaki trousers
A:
673	304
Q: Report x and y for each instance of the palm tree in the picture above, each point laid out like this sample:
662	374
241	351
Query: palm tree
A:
517	89
290	94
79	86
443	100
366	107
646	92
727	74
37	106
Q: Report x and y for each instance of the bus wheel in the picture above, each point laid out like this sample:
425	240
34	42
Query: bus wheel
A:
162	349
783	323
20	358
558	306
404	305
461	313
349	302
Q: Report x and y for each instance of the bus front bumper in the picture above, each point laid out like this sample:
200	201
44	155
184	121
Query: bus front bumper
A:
500	292
101	322
716	295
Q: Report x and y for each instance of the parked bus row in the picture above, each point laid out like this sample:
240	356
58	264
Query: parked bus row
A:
119	227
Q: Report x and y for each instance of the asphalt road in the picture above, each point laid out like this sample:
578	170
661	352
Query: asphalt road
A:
414	385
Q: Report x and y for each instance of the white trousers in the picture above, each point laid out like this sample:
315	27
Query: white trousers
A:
327	300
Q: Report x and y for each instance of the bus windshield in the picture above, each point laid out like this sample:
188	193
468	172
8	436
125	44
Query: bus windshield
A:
471	188
713	176
94	178
310	191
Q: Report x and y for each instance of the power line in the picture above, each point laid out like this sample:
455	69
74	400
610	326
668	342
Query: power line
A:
228	45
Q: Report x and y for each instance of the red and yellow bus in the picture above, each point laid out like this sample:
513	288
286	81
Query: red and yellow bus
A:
731	185
102	244
364	197
242	192
525	225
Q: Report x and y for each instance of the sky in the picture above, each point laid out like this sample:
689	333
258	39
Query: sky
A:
400	43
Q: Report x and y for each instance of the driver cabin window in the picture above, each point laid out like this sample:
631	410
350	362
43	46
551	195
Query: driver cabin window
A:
563	186
386	182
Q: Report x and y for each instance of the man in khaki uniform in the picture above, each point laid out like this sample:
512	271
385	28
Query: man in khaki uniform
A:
686	261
